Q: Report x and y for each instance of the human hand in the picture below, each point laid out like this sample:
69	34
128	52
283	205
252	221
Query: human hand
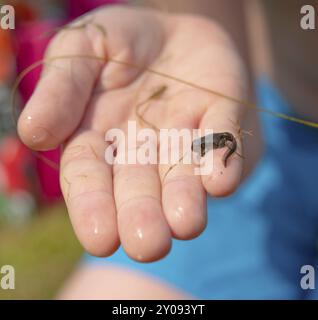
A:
77	100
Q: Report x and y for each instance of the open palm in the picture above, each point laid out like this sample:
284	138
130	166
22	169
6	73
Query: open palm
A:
77	100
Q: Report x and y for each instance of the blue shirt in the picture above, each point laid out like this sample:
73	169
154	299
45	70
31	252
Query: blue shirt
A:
258	238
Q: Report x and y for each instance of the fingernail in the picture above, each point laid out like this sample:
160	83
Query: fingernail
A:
39	135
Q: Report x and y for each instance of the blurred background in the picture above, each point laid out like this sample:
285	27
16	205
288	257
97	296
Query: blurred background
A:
35	233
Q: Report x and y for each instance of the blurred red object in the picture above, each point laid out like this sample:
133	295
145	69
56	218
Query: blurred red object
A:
16	166
17	188
6	55
23	11
78	7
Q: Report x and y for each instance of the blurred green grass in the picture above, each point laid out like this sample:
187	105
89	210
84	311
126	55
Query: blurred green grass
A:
44	252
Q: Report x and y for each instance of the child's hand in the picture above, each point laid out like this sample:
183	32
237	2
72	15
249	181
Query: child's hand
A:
77	100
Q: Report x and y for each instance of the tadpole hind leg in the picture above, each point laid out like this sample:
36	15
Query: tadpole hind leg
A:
231	149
